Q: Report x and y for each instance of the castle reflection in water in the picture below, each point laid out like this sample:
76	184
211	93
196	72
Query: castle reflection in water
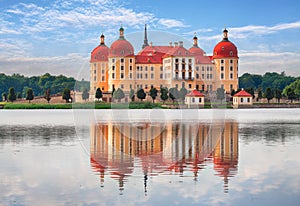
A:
117	148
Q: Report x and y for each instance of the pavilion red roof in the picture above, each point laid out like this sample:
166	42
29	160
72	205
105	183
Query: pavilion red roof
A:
242	93
195	93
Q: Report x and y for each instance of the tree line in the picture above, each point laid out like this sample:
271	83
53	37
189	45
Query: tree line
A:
271	85
21	86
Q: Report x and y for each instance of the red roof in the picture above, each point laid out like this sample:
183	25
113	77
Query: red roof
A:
121	48
100	53
196	51
242	93
195	93
151	55
225	49
178	51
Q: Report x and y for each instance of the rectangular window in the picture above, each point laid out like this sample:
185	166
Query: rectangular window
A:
130	86
103	79
122	86
161	76
210	76
222	75
207	68
146	76
207	76
113	68
222	61
193	99
202	76
161	68
202	68
231	68
146	86
141	76
103	71
122	75
122	68
130	75
95	79
231	61
141	68
200	100
122	60
130	60
231	76
137	68
242	99
113	60
130	68
152	76
95	71
113	75
222	68
190	86
197	76
197	68
102	88
248	99
152	69
146	68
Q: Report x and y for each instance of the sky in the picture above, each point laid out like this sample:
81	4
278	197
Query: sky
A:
39	36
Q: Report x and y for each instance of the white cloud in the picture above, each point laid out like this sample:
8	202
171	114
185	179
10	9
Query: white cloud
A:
260	62
172	23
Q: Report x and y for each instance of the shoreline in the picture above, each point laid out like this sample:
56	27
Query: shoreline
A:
138	105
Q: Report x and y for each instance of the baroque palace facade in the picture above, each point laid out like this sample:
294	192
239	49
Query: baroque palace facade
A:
169	66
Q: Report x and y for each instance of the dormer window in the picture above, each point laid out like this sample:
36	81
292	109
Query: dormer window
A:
231	53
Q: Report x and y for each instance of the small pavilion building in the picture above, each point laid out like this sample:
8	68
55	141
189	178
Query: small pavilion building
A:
194	99
242	99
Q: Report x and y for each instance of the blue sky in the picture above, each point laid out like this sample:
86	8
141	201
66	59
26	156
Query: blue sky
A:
39	36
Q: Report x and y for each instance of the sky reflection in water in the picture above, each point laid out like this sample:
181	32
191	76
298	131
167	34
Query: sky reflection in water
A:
184	163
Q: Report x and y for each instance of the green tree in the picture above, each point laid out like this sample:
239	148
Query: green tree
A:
250	91
182	93
131	95
259	94
164	94
118	94
220	94
19	95
85	94
278	95
233	92
11	94
173	94
153	93
290	94
47	95
269	94
141	94
292	91
66	95
98	94
4	97
29	94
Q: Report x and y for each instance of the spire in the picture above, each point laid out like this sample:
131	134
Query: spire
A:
102	39
145	38
225	34
195	41
121	31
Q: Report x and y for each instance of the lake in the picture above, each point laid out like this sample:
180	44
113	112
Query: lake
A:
150	157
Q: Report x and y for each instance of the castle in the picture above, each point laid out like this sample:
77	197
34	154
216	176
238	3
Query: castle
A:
168	66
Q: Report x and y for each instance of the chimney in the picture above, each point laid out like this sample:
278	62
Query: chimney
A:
170	44
175	44
151	43
181	43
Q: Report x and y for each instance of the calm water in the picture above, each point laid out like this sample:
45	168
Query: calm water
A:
150	157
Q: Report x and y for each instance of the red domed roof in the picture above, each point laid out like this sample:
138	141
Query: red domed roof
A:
225	48
196	51
100	53
121	48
